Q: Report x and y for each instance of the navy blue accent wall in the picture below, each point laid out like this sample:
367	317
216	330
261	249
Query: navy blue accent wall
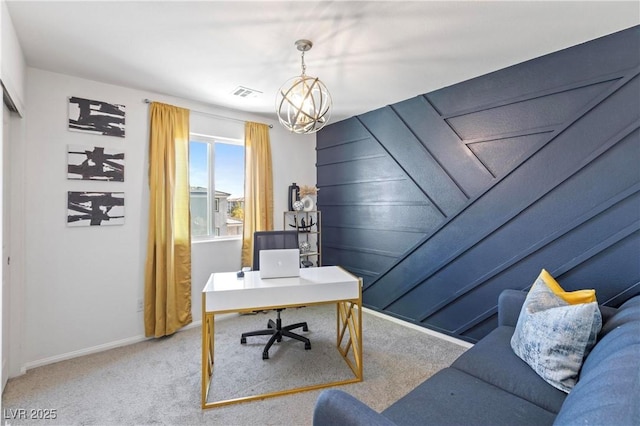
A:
442	201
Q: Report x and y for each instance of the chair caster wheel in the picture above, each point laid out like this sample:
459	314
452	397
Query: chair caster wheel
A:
243	340
307	346
265	355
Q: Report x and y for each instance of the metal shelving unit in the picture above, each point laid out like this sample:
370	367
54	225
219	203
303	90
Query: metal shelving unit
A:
308	225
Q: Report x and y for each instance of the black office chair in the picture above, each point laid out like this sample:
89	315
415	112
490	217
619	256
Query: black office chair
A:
270	240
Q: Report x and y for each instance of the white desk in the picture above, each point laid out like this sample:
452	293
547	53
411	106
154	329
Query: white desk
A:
225	292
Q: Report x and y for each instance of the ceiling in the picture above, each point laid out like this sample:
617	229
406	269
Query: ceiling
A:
369	54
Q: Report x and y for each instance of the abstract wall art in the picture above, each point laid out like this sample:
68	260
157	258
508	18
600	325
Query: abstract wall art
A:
95	163
96	117
95	208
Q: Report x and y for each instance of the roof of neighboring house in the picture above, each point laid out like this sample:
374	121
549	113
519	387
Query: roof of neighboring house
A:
202	190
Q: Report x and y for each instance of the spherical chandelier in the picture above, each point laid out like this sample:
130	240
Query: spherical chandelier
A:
303	103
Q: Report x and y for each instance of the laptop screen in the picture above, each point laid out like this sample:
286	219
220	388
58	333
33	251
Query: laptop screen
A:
279	263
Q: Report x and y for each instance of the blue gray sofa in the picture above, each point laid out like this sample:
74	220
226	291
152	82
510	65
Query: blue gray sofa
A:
490	385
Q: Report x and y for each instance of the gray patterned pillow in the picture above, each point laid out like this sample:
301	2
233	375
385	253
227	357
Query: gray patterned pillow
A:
556	330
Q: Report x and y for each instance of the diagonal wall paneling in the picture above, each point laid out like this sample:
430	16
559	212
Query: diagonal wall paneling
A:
442	201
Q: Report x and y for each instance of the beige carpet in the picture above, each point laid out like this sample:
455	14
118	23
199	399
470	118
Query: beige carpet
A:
158	381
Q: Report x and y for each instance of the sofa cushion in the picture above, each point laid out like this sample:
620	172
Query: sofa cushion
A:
555	331
620	337
493	360
452	397
627	312
606	394
335	407
609	382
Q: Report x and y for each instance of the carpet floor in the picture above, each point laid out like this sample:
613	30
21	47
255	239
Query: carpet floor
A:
158	381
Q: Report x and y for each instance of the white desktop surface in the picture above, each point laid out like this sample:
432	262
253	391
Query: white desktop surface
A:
226	292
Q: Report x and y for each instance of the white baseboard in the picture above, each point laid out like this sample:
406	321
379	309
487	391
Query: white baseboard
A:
82	352
418	328
95	349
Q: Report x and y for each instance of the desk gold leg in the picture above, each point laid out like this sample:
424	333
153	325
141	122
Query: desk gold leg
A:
208	324
350	320
205	371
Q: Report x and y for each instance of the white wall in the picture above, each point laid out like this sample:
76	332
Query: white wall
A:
82	284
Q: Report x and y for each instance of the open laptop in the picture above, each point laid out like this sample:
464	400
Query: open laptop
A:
279	263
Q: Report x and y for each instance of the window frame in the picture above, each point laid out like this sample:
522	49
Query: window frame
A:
212	201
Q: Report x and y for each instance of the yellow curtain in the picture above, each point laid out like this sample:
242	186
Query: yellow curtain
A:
258	186
167	287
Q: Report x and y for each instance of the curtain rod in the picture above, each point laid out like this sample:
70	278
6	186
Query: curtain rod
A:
148	101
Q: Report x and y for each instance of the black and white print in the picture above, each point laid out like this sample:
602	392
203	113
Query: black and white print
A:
95	163
95	208
96	117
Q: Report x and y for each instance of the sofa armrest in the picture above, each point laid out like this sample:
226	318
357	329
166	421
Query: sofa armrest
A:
335	407
509	305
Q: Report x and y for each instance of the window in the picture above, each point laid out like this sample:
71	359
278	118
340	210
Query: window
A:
216	178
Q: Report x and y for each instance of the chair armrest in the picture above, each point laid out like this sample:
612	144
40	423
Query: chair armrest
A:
509	305
335	407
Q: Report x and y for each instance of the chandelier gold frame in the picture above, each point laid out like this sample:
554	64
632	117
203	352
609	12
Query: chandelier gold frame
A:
303	103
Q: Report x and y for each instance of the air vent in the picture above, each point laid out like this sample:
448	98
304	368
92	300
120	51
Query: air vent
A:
245	92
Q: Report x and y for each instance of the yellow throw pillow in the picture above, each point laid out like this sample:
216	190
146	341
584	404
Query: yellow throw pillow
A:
571	297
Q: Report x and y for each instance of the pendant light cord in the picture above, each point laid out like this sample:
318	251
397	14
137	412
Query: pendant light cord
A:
304	67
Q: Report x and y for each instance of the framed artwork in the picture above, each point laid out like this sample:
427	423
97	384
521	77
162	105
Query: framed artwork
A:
95	208
95	163
96	117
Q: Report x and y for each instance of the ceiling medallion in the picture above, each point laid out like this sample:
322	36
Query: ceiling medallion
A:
303	103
